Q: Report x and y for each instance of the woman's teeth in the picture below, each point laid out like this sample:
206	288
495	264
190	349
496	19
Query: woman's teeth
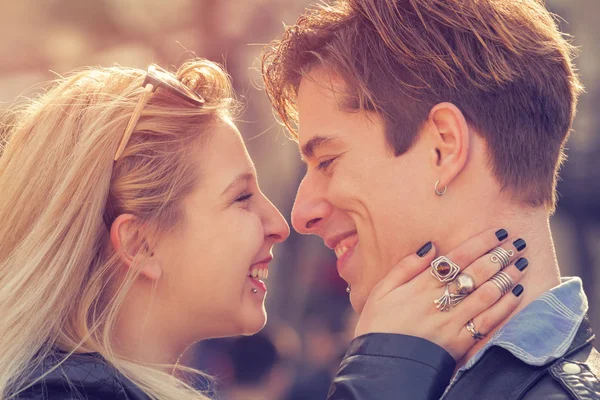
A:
259	273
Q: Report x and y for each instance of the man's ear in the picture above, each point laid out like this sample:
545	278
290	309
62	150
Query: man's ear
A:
130	243
449	131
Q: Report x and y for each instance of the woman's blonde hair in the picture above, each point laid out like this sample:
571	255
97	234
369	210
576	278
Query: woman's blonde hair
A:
60	193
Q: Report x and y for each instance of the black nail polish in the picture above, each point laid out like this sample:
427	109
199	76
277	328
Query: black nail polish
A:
501	234
424	250
519	244
521	263
517	290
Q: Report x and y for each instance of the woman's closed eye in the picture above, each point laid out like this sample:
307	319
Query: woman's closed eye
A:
244	197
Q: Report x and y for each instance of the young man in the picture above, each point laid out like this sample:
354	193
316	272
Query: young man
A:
436	119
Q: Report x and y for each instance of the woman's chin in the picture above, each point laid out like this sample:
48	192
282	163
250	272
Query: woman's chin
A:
255	323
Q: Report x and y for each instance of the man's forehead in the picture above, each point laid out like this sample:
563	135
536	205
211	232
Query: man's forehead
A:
318	101
323	82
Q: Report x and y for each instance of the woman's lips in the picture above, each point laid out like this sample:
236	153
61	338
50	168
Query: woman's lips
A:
258	284
259	272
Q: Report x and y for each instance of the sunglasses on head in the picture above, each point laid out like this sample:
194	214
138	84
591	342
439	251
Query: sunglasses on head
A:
156	77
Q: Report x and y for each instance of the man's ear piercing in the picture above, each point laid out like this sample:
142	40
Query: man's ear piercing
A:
437	190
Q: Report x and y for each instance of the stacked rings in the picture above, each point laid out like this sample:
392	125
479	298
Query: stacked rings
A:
502	281
501	256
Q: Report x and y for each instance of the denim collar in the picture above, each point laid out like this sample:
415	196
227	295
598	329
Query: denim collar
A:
542	331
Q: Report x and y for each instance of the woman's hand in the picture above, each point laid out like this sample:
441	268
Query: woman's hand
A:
403	302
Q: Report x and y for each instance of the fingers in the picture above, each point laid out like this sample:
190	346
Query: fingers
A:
476	247
485	267
490	319
490	292
408	268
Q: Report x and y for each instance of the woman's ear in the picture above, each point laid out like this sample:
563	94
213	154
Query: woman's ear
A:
130	244
449	132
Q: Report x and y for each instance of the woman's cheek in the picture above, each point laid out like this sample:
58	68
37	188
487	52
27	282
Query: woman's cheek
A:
249	229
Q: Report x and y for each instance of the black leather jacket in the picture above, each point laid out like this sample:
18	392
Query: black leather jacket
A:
81	376
379	367
386	367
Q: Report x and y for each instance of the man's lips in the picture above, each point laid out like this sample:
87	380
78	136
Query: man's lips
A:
346	244
333	241
343	262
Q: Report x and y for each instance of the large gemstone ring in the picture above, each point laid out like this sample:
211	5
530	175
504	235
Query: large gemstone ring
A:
444	269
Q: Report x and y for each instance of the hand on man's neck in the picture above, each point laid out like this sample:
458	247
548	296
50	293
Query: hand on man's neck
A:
541	275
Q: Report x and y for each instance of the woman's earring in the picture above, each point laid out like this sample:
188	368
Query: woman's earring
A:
437	190
151	267
152	270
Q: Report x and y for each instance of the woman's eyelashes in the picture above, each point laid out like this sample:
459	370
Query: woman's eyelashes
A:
244	197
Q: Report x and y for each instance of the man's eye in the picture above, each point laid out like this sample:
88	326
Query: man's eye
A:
244	197
324	165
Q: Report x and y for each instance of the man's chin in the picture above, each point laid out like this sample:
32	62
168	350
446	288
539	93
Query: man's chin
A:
358	300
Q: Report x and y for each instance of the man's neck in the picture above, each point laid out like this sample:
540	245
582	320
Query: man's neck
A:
541	275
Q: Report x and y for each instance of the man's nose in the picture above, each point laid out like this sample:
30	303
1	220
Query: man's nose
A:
310	209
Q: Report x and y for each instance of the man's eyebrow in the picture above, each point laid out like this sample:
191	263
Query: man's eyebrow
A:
246	176
309	148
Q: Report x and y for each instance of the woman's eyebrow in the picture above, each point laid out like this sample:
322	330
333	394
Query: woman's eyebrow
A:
245	176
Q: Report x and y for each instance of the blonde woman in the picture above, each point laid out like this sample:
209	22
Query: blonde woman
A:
133	226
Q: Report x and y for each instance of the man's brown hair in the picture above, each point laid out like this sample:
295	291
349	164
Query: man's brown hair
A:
504	63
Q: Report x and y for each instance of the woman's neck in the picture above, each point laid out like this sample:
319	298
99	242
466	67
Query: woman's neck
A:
139	333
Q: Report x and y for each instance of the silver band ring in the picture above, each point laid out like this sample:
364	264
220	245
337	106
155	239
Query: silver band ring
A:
501	256
444	270
474	332
502	281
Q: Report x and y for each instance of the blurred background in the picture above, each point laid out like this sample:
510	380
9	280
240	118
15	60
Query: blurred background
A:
310	321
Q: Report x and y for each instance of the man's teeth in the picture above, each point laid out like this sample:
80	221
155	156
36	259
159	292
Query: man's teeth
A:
259	273
340	251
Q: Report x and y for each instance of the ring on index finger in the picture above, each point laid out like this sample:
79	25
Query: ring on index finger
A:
444	270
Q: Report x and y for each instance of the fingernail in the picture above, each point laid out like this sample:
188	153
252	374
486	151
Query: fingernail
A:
501	234
521	263
517	290
519	244
424	250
